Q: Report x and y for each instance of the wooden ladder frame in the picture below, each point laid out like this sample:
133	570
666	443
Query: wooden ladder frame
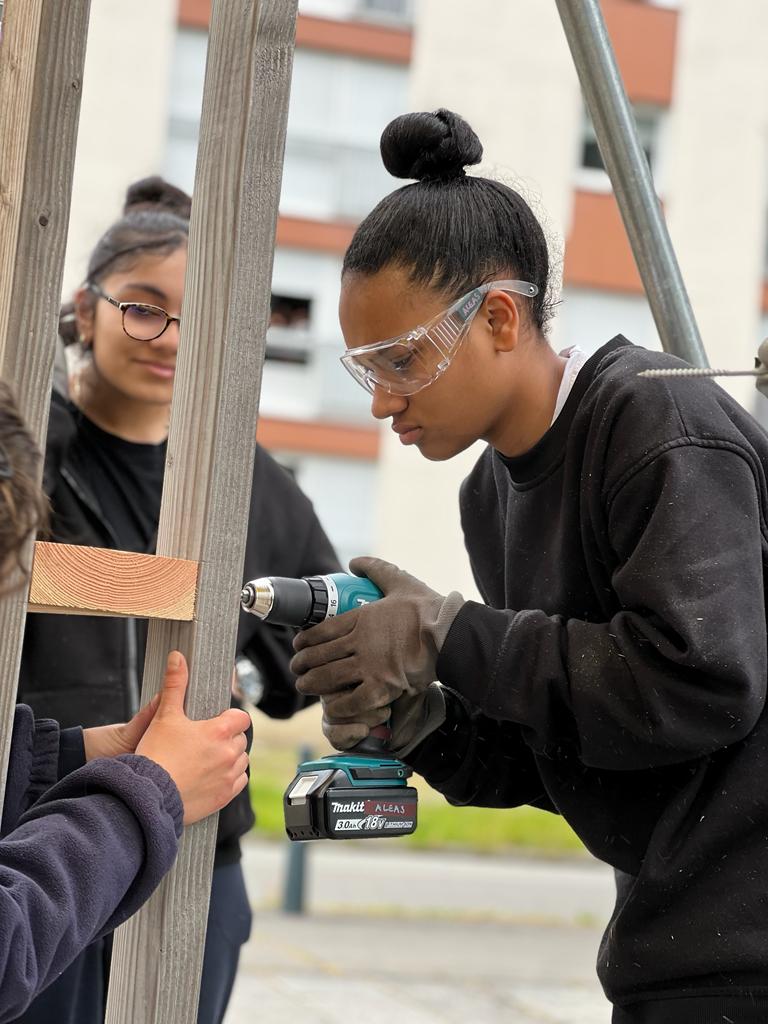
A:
190	589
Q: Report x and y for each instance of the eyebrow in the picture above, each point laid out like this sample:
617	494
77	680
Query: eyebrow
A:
144	287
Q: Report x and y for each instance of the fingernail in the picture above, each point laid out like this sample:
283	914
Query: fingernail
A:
174	660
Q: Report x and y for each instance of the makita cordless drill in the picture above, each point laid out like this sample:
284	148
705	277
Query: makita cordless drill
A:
358	795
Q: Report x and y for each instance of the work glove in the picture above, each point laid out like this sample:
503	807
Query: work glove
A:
364	660
410	719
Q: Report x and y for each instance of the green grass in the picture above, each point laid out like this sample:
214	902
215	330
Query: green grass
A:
476	829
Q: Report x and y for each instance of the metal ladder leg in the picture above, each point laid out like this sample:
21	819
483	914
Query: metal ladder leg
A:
631	178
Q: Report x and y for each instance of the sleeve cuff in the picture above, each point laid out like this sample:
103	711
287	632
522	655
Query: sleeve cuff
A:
443	752
171	798
471	649
43	772
71	750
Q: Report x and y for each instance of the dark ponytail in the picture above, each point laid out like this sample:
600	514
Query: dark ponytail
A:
155	220
448	230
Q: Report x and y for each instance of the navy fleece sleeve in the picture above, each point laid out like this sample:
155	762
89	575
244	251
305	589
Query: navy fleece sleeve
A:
33	764
78	863
680	671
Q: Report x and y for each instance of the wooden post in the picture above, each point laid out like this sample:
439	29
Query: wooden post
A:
210	452
42	54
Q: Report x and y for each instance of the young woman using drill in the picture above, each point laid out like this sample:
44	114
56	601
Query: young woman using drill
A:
616	527
104	465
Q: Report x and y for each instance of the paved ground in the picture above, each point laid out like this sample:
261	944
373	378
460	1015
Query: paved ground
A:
422	939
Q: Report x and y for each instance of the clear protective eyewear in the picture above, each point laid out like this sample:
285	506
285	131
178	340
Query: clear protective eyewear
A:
408	363
141	321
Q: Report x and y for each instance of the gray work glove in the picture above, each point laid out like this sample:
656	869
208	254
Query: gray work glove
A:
364	660
411	719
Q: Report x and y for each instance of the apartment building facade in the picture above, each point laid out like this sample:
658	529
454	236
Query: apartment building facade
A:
697	79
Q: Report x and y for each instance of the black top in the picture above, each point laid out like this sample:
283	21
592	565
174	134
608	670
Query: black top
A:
126	478
86	670
622	681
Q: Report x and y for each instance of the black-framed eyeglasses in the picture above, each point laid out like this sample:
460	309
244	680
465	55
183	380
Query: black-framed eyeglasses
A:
141	321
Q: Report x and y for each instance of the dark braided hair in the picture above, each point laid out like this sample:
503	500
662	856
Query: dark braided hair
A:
23	505
449	231
155	220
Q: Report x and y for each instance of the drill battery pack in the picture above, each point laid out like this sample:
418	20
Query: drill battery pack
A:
350	797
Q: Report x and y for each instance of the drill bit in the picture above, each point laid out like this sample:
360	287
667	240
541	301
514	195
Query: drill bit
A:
702	371
759	371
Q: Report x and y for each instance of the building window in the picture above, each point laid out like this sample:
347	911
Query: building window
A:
289	311
332	168
288	338
396	10
592	174
392	12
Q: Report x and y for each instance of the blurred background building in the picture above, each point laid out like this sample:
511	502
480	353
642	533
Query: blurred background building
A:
696	76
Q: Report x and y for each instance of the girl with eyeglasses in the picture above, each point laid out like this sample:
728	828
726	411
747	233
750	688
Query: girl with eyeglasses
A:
104	465
616	528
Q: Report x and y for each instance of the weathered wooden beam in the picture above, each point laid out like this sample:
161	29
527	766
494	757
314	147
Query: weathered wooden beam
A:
210	452
72	580
41	68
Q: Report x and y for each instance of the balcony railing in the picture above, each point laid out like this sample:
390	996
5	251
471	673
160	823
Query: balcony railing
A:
387	12
303	379
326	179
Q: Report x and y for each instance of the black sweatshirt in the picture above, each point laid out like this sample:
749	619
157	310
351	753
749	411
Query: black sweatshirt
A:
85	670
622	680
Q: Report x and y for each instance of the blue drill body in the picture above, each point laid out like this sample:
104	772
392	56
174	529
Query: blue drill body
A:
362	793
352	591
305	602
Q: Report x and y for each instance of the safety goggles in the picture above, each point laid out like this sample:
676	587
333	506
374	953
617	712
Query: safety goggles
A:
408	363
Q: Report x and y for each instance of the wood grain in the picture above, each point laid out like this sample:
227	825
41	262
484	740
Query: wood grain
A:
210	453
96	581
41	69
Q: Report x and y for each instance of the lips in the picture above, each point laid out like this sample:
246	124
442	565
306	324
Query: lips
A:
164	370
409	433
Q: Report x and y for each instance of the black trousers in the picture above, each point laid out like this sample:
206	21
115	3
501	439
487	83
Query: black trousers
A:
79	995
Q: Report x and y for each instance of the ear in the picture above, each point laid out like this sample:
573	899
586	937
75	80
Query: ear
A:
85	310
503	319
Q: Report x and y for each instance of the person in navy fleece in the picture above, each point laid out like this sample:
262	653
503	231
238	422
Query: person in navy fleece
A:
92	817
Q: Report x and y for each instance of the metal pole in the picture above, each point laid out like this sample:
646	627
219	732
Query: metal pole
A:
631	178
294	889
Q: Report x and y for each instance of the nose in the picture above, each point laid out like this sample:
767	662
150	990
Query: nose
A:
385	404
169	339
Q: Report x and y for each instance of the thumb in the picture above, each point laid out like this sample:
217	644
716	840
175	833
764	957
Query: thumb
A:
174	685
139	724
383	574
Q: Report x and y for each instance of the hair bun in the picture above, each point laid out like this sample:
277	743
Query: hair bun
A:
157	192
429	146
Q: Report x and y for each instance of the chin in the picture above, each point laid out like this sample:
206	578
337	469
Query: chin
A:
155	394
442	449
